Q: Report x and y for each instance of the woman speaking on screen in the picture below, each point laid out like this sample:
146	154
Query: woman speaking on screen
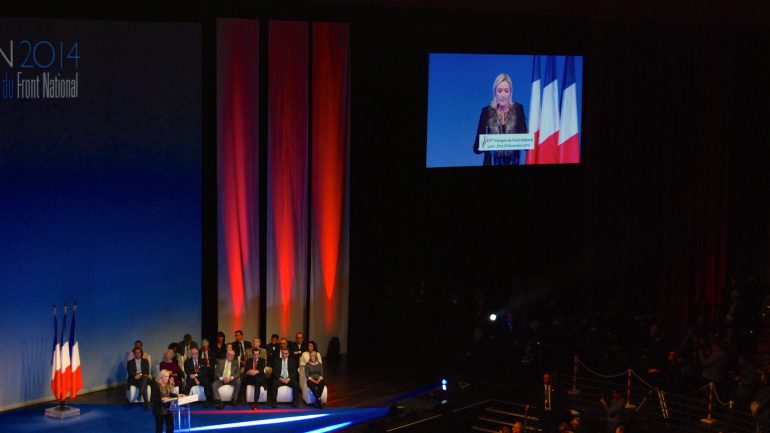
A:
502	116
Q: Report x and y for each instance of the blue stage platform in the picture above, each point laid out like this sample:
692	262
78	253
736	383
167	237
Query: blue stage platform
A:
117	418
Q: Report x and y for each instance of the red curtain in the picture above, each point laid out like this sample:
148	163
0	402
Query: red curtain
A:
330	140
287	176
238	164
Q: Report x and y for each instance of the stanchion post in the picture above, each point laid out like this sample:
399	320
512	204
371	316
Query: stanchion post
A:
574	391
628	392
709	419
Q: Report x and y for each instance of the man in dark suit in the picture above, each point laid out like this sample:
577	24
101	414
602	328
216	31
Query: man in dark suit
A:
273	349
284	374
254	374
207	356
226	373
186	345
548	403
139	375
240	346
197	373
298	346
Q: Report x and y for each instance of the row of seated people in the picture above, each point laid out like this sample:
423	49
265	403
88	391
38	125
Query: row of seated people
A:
297	365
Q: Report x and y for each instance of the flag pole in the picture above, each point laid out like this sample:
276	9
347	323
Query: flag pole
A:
63	395
60	411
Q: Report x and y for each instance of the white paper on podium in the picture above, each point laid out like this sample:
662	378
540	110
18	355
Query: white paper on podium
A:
184	399
489	142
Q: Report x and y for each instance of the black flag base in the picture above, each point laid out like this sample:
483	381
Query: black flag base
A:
62	412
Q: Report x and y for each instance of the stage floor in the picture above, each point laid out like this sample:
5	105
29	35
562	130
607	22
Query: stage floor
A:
354	397
122	418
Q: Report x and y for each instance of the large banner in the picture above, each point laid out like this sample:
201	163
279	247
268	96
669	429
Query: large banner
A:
100	183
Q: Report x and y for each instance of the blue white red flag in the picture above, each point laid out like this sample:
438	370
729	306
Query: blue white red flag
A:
534	109
547	149
569	135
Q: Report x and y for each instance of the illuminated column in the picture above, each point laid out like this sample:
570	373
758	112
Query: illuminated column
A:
330	217
237	175
287	177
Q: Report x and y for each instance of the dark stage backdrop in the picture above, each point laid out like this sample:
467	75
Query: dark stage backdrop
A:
101	193
642	220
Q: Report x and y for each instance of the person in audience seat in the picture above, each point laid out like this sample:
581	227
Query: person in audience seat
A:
273	349
314	373
170	363
197	373
139	375
186	345
254	374
284	374
256	344
206	355
145	355
298	346
226	373
220	346
312	347
240	346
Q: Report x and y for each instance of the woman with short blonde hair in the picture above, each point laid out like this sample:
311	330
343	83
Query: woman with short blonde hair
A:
502	116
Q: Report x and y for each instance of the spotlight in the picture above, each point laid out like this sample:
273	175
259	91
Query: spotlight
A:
492	317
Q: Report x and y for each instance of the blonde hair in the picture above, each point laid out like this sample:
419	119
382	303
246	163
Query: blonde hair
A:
501	78
165	355
163	373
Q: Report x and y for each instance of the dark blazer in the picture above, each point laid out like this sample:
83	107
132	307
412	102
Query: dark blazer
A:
291	365
156	399
131	368
237	348
211	355
260	365
219	352
273	352
516	123
189	368
294	347
539	400
180	348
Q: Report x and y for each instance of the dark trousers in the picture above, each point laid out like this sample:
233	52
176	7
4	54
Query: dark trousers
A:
203	382
168	418
143	386
317	390
272	393
256	380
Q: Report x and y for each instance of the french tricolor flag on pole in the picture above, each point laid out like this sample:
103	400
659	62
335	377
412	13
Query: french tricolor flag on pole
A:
65	368
76	381
569	136
547	149
56	360
534	109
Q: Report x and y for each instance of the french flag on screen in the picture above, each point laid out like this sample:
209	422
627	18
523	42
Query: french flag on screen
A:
547	148
534	109
569	136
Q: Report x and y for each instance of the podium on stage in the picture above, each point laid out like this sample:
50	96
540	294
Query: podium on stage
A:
182	404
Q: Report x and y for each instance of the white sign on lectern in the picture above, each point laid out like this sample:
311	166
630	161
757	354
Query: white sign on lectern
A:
506	142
